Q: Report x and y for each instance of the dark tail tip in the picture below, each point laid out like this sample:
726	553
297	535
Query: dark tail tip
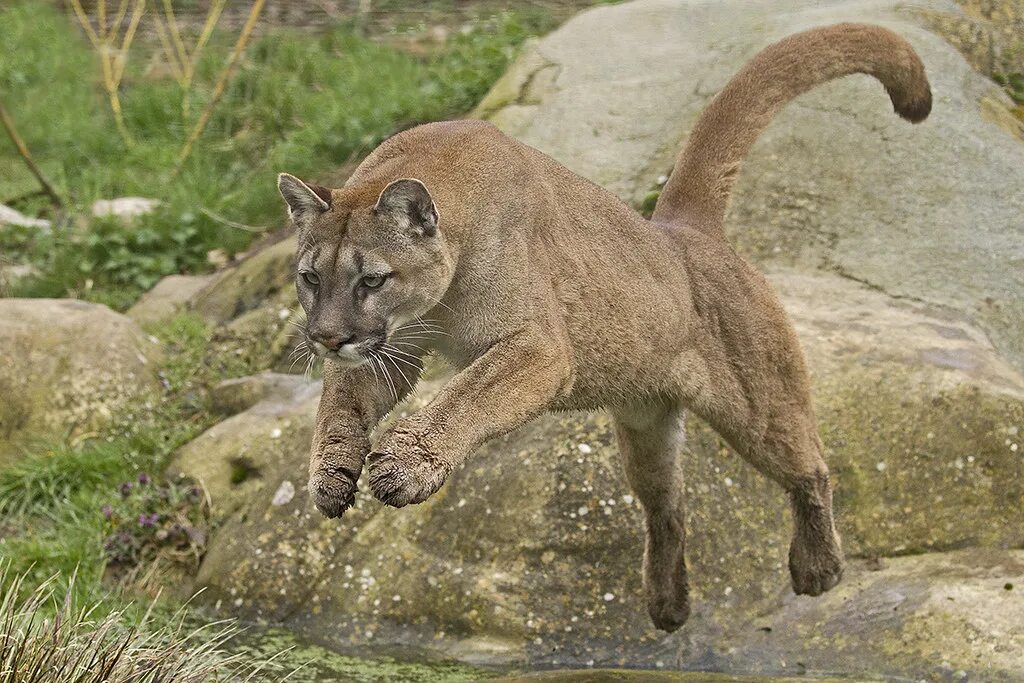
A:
913	107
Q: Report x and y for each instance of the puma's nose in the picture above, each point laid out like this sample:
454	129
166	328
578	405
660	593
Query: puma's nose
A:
333	342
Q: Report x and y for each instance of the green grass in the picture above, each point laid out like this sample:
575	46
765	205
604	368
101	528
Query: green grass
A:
51	497
300	102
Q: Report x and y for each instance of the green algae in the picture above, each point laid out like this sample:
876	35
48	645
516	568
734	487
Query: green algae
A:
305	662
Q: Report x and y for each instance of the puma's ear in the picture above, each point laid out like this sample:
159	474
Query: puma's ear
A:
409	202
305	202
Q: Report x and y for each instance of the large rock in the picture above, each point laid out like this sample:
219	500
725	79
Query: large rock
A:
262	277
255	306
990	33
167	298
67	367
531	552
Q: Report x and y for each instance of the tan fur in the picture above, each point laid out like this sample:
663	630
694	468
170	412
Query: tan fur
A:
548	293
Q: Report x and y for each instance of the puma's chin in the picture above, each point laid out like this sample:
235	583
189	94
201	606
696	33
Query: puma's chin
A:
349	359
344	357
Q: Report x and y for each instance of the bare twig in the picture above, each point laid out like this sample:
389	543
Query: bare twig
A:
181	59
218	89
232	224
112	48
27	157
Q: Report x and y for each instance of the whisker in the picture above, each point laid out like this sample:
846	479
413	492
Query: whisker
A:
442	304
376	379
308	374
392	349
402	342
299	358
387	376
387	379
393	360
432	328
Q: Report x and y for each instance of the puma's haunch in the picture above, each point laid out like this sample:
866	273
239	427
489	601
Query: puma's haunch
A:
548	293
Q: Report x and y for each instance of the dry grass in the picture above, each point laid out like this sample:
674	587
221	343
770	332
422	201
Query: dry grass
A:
46	638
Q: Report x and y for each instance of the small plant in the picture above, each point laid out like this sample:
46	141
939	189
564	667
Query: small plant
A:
1013	83
155	524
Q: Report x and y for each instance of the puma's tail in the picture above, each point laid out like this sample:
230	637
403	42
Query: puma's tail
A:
698	190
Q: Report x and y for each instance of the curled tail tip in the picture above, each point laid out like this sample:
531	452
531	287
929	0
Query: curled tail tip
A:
909	90
916	107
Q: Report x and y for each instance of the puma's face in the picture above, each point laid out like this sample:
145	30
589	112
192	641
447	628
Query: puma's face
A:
364	272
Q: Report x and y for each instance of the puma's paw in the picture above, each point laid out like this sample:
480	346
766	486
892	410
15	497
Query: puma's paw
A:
815	568
669	612
403	471
333	490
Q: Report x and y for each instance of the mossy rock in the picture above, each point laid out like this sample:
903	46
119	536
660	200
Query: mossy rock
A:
167	298
531	552
67	368
251	284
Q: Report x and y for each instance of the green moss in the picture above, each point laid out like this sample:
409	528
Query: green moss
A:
648	203
314	664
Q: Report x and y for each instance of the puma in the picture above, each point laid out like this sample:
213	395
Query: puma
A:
548	293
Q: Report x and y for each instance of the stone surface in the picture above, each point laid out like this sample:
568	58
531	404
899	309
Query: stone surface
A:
125	208
9	216
167	298
990	33
251	285
67	367
538	538
234	396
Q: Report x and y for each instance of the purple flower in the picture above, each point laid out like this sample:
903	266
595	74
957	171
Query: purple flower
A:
107	511
149	520
143	478
126	489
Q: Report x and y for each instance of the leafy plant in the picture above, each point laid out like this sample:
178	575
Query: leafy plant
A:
1013	83
155	523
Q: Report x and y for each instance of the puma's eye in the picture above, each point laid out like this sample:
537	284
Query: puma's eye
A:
374	281
311	278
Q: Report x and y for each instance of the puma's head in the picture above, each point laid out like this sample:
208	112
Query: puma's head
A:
365	268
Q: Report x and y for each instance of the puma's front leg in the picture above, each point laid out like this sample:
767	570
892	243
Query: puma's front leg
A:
510	384
353	401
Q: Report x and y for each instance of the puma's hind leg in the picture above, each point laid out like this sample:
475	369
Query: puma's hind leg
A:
794	460
784	445
650	440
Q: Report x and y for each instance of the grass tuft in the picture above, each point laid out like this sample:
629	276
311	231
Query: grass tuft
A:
48	636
